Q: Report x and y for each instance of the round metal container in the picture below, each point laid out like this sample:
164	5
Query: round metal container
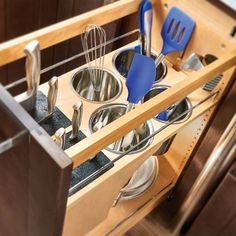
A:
122	61
108	113
110	86
142	179
182	107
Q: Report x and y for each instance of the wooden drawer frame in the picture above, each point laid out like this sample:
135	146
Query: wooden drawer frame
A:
80	217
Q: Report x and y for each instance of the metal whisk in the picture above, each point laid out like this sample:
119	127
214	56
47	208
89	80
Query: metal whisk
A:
94	45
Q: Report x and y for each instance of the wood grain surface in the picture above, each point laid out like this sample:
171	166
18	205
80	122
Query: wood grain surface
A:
34	176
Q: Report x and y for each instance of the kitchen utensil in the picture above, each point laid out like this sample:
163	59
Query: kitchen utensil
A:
76	119
51	98
145	26
195	63
139	81
106	118
114	112
141	129
33	65
59	137
192	63
143	174
128	138
137	138
165	115
98	122
102	121
164	146
52	94
176	33
94	46
141	180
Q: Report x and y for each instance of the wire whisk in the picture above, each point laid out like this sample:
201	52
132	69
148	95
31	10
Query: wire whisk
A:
94	44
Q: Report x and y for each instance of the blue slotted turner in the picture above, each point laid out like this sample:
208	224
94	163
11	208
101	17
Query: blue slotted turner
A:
176	33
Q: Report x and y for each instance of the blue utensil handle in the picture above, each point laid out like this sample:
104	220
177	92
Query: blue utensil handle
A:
162	116
145	6
145	26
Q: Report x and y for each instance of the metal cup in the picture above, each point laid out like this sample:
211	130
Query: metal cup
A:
108	113
110	87
122	61
183	106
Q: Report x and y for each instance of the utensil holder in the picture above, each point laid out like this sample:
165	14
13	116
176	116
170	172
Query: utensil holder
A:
109	85
73	216
123	58
113	112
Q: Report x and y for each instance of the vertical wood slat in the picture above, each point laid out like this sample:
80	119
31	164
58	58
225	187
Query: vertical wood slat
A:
3	70
29	16
47	16
112	29
21	18
64	11
49	36
34	177
75	45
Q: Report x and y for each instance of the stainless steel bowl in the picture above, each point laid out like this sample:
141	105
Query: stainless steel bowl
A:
142	179
181	108
110	86
122	61
108	113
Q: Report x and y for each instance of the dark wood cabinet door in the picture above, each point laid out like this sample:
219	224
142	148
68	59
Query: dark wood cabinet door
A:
34	175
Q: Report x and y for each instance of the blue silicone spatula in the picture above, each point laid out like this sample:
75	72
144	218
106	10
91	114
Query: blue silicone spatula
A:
176	33
145	26
139	81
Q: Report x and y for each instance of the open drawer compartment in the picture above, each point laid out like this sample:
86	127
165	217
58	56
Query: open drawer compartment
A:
91	210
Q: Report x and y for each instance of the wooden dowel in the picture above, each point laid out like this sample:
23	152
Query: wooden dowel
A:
115	130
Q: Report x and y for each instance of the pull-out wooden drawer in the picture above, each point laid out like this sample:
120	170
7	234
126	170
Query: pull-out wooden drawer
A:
92	210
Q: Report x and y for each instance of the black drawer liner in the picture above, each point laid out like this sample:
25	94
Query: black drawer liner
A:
88	167
51	125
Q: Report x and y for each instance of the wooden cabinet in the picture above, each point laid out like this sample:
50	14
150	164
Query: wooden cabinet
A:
91	210
35	175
